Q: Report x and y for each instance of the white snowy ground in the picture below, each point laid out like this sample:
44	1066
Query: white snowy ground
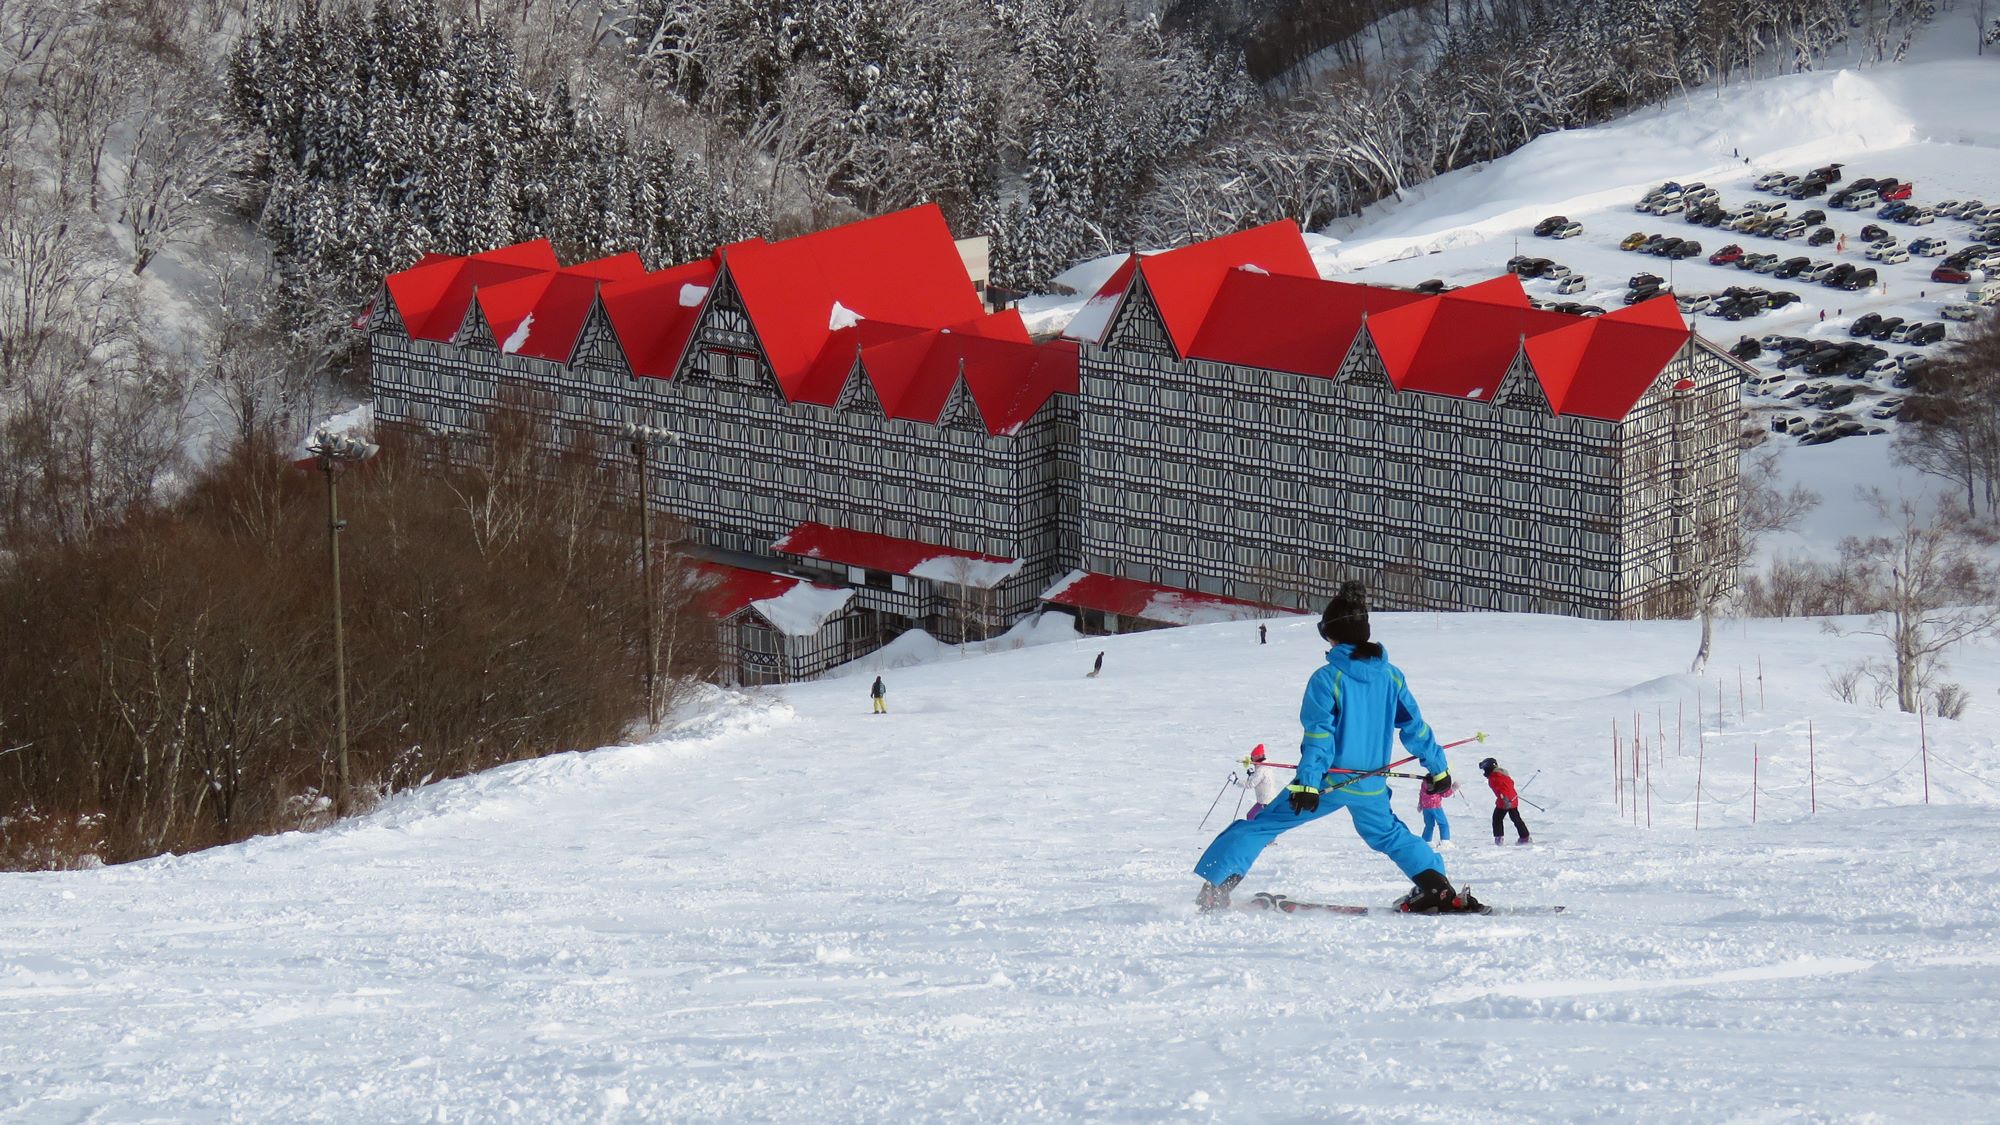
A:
978	908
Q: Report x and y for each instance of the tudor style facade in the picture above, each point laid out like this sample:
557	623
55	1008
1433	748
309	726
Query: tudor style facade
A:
1224	424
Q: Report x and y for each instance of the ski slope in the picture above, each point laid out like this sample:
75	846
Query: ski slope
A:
978	908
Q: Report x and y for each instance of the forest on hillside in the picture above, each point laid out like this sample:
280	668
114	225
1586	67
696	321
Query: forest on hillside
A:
197	198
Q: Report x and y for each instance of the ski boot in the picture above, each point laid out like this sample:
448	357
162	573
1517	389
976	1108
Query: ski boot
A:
1433	894
1215	896
1524	840
1497	840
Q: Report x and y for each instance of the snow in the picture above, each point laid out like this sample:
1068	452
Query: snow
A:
519	337
801	610
980	574
842	317
1173	609
693	295
978	906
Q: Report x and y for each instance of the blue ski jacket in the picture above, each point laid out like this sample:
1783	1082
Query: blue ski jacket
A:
1350	707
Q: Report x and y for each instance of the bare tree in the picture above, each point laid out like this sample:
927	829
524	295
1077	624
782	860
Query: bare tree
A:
1725	549
1951	423
183	158
1935	585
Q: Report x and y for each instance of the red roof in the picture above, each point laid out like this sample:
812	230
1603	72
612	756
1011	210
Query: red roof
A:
1296	324
540	315
1184	282
1282	316
901	267
654	315
432	296
729	590
896	556
1146	601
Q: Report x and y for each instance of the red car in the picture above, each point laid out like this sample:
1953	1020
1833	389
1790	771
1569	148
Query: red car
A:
1900	191
1725	255
1950	275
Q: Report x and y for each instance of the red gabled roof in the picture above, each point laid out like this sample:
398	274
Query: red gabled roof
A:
653	315
1184	282
1603	371
1129	598
432	296
1465	342
1284	323
901	267
729	590
896	556
556	301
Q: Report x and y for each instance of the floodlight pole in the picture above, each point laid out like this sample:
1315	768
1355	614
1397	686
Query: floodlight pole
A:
334	452
642	439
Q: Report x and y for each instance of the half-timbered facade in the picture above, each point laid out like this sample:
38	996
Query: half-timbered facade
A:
1251	430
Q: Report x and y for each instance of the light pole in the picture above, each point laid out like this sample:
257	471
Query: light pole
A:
641	440
335	452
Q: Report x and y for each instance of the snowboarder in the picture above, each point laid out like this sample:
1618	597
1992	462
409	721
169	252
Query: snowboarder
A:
1352	704
1096	668
1432	806
1263	635
880	695
1263	780
1506	802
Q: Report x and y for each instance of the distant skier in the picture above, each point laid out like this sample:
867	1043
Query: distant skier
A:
1096	668
1431	804
880	695
1263	635
1264	781
1506	802
1352	704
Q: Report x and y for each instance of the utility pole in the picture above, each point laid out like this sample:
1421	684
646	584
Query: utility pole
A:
335	452
642	439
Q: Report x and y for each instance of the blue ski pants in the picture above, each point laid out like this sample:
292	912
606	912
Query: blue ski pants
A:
1243	841
1435	820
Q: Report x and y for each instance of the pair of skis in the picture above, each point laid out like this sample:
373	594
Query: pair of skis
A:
1266	901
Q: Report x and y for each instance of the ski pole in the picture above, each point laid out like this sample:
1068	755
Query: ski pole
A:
1226	783
1529	803
1480	737
1531	779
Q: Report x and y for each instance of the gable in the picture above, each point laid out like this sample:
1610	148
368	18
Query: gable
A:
1136	325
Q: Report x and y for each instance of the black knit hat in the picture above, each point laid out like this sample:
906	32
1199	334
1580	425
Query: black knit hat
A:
1488	765
1345	621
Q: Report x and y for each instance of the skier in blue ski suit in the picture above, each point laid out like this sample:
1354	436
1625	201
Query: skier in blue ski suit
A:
1352	704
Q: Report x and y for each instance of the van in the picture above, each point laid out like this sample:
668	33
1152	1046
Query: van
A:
1862	200
1984	293
1764	381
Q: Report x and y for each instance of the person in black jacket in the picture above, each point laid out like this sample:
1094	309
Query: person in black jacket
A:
880	695
1097	667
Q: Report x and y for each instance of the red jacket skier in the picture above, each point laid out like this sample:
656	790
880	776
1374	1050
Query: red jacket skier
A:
1506	803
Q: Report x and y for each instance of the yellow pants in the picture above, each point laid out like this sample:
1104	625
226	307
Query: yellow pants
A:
881	705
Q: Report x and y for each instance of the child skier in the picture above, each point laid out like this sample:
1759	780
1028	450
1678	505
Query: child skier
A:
1506	802
1262	780
1431	804
1351	706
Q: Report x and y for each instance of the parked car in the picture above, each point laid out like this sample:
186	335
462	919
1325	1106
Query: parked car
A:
1838	276
1782	298
1893	255
1806	188
1860	200
1828	173
1950	275
1920	216
1569	230
1574	283
1860	279
1813	217
1886	327
1763	382
1792	267
1746	348
1892	210
1817	271
1769	180
1550	225
1767	263
1865	324
1926	334
1642	280
1669	207
1960	310
1555	269
1726	255
1820	237
1790	228
1887	408
1896	190
1665	247
1648	201
1692	303
1927	247
1632	241
1757	262
1901	333
1643	293
1873	233
1687	249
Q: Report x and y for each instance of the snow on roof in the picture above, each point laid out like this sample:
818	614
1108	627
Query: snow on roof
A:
802	610
519	336
1149	602
791	605
897	556
841	317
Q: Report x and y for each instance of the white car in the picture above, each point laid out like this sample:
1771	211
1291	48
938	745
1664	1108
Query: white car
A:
1960	310
1765	381
1862	200
1556	271
1669	207
1649	202
1884	367
1769	180
1893	255
1694	302
1887	408
1877	249
1569	230
1921	217
1574	283
1928	247
1817	271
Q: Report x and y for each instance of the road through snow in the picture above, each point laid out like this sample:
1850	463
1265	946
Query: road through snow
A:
978	908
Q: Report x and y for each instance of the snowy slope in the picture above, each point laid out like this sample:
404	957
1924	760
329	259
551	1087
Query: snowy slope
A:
977	908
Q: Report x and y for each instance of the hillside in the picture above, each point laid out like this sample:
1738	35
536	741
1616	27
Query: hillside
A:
978	907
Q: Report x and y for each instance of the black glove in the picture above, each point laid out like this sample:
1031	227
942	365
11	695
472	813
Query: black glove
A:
1439	783
1305	798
